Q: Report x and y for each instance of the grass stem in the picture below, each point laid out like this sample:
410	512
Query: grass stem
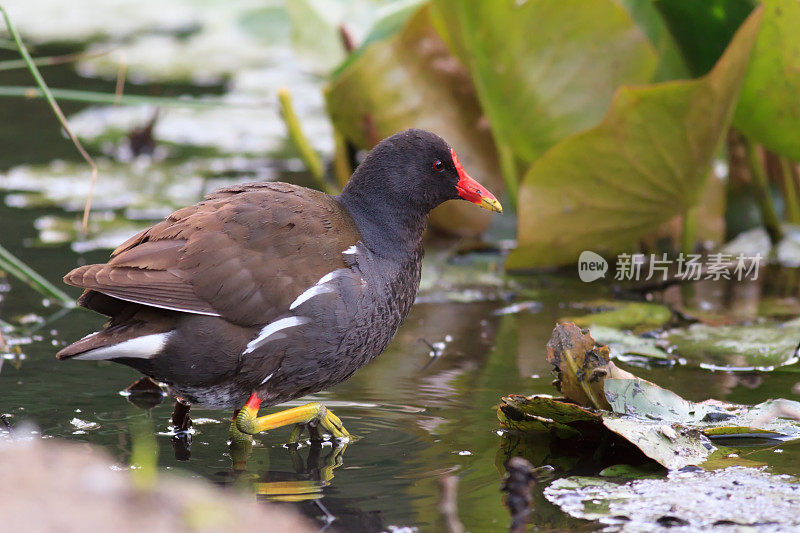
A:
15	267
23	50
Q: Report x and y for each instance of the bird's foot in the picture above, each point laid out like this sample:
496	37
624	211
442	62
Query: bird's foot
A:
249	423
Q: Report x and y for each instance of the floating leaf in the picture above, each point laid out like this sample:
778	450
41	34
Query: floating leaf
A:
668	429
671	445
545	70
625	315
624	345
648	402
762	346
411	80
646	162
769	109
545	414
741	498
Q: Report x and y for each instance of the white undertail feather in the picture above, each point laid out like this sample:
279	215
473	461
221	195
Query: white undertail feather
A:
273	328
145	347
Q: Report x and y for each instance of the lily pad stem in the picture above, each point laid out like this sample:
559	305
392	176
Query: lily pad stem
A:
301	142
760	186
790	191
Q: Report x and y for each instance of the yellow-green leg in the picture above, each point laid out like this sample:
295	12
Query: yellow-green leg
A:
249	423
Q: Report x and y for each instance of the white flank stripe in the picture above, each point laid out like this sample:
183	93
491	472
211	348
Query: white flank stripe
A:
139	348
315	290
331	275
353	250
267	378
272	328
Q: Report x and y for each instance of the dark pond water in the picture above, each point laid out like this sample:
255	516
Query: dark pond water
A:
417	418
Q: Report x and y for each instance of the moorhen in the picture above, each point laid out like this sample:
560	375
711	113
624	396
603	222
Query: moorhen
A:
265	292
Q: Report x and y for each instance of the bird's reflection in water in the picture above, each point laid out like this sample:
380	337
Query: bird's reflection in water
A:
304	485
309	478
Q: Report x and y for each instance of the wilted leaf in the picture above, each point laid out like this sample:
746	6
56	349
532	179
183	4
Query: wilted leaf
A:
581	366
545	414
411	80
646	162
741	498
769	107
641	316
545	70
763	346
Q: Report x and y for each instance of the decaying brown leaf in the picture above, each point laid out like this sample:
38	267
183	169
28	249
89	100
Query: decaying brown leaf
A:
581	366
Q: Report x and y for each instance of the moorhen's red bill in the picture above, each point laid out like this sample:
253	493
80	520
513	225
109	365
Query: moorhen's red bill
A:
266	292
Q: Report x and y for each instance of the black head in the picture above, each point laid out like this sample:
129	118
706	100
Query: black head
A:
416	170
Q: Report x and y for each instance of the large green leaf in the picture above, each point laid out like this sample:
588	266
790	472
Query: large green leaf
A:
543	69
760	346
646	162
703	28
769	107
671	65
411	80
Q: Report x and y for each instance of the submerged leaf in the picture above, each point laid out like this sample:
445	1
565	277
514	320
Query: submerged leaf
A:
646	162
410	80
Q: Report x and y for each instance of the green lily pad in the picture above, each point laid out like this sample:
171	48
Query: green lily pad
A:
762	346
743	498
410	80
575	54
624	345
769	110
645	163
625	315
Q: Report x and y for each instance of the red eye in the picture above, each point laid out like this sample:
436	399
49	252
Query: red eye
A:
438	166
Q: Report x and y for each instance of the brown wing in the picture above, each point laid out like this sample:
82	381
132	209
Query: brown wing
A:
244	253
